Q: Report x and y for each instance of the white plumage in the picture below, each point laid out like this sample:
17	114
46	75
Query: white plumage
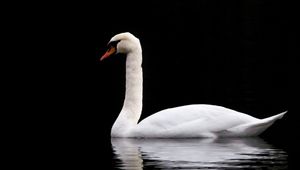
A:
191	121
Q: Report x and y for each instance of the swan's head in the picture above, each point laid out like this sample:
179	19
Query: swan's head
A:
122	43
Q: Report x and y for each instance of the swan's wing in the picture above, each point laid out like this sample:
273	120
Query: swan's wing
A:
190	121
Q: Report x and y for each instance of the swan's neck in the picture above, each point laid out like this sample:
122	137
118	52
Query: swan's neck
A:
132	107
134	86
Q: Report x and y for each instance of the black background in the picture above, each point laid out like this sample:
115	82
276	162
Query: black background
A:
230	53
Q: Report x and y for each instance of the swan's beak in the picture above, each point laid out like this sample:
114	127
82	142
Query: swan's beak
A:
108	53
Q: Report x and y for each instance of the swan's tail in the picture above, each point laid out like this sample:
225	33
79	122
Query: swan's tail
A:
275	117
254	128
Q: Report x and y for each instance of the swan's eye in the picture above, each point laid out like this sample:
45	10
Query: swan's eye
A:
113	43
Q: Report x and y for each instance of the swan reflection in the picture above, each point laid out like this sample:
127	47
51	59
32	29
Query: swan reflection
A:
225	153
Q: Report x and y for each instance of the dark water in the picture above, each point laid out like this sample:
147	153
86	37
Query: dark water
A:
227	153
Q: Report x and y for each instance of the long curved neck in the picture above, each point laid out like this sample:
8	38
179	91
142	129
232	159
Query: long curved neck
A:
132	107
134	86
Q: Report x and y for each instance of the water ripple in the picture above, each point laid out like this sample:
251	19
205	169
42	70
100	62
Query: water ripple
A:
225	153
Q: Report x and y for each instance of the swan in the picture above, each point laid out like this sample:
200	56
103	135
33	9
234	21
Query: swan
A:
189	121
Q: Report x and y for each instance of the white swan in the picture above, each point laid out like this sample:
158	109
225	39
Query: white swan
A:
189	121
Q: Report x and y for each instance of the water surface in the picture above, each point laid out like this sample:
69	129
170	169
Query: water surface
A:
225	153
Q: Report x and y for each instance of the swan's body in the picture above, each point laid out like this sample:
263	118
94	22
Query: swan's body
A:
189	121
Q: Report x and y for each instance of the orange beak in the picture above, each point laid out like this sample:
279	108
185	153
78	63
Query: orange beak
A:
108	53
